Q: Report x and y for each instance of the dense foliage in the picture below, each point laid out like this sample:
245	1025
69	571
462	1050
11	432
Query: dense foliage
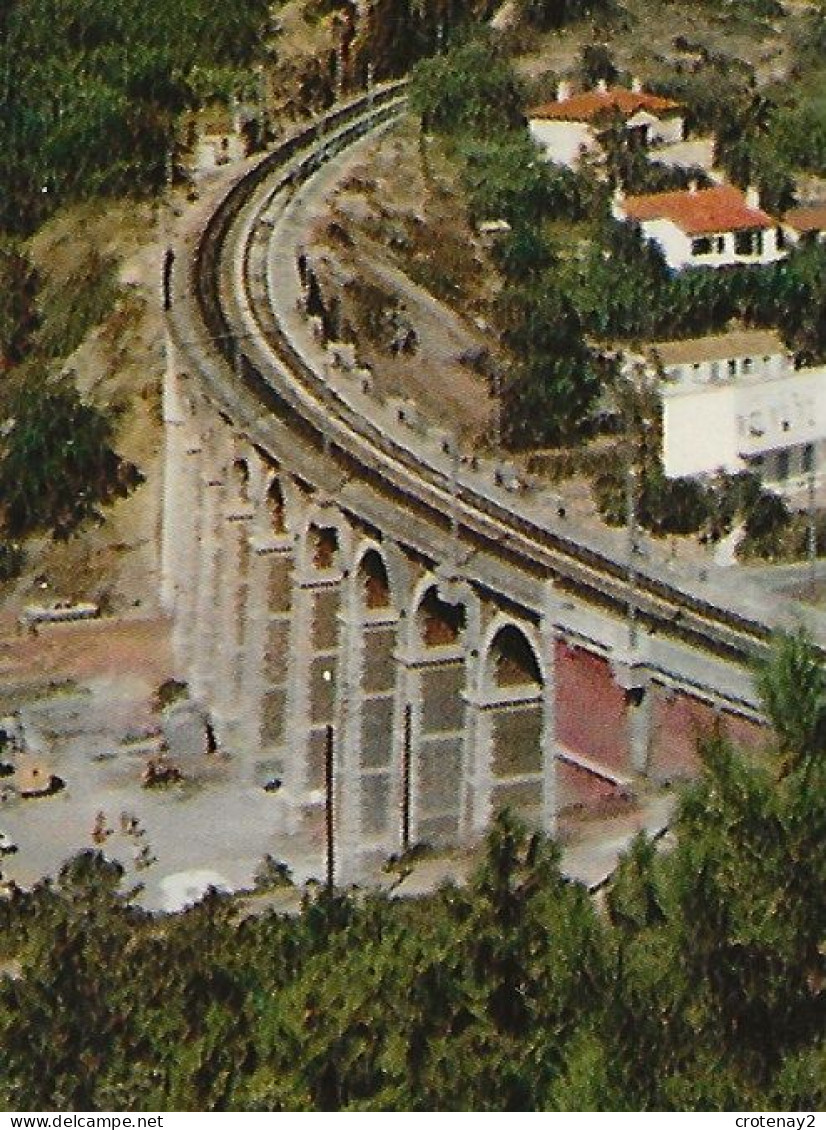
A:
56	459
469	89
470	97
700	988
18	311
572	276
401	32
91	92
548	14
553	379
624	291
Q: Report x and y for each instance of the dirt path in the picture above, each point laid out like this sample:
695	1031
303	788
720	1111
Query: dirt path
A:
85	650
375	194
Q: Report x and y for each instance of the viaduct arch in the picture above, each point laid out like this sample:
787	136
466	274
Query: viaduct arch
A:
324	576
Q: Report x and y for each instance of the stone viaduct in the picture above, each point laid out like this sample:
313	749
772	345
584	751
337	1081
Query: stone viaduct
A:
336	572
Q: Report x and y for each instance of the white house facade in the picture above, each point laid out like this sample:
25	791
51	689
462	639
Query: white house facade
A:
735	402
567	128
705	227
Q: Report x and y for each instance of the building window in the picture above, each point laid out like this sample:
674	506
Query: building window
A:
732	368
748	366
715	370
720	244
748	242
782	465
808	458
701	246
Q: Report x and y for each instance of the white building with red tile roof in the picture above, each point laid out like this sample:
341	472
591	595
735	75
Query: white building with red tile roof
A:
567	128
705	227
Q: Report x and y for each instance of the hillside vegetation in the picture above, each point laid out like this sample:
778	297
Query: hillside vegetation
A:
576	288
93	89
699	988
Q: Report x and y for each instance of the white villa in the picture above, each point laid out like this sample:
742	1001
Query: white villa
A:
705	227
736	402
567	128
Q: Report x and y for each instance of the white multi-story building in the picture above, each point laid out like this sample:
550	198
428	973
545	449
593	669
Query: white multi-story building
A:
735	402
705	227
568	128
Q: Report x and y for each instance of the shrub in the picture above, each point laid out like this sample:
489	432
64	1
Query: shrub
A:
765	526
170	691
56	460
12	560
469	89
18	311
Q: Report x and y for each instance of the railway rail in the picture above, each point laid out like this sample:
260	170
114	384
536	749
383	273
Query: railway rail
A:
273	367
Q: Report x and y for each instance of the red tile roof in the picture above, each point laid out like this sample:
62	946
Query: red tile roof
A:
616	99
808	219
721	208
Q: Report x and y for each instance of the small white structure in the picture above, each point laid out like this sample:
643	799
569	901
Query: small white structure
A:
806	224
568	128
705	227
735	402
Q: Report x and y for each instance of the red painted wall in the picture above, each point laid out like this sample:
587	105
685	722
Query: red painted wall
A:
578	789
590	709
679	722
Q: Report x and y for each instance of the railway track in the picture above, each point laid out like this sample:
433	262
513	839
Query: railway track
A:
238	319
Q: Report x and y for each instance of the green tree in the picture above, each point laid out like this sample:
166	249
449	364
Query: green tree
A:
508	179
547	14
56	460
91	92
554	380
470	89
596	64
18	310
792	686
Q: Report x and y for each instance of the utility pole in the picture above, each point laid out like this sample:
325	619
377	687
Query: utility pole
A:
811	532
370	82
497	421
329	812
339	72
631	572
408	728
165	230
263	115
454	500
631	514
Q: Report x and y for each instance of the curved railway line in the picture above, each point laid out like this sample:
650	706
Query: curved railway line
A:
275	370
